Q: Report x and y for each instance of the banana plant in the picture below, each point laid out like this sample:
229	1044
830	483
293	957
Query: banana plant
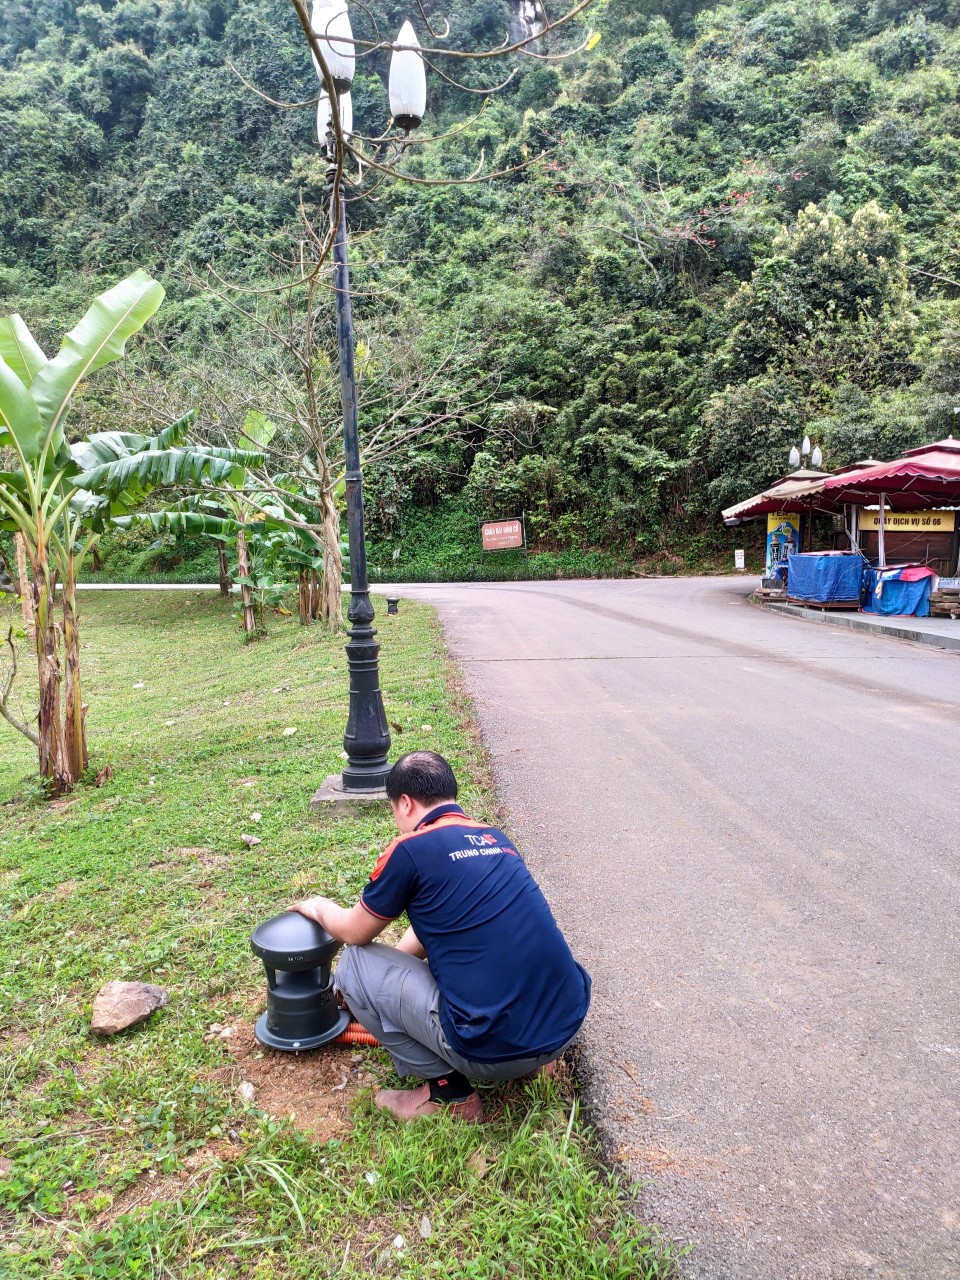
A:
60	496
234	515
269	523
307	560
305	551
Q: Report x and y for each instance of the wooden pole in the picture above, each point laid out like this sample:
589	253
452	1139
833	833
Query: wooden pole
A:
881	549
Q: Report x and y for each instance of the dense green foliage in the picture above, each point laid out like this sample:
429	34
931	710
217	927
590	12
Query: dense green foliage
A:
742	231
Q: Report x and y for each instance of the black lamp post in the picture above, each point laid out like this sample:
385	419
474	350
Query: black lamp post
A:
367	737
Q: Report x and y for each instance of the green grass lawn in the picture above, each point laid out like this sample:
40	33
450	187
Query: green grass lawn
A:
136	1156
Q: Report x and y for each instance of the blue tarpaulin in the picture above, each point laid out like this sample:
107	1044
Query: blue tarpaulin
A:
897	597
823	579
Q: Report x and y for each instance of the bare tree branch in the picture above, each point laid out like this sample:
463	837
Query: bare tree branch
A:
5	710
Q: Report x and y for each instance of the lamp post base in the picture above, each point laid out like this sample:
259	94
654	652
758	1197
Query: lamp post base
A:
333	796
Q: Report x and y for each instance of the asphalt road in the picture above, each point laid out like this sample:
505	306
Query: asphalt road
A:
749	829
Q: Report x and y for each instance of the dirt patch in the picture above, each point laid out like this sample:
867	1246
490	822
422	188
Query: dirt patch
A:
313	1090
58	806
149	1189
98	1056
193	855
12	1041
145	1192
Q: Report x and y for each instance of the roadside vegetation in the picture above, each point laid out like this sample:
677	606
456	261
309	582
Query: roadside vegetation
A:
138	1156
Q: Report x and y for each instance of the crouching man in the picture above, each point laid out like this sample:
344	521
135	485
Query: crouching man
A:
482	985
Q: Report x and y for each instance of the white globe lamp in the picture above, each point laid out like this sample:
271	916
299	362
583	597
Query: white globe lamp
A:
408	80
331	25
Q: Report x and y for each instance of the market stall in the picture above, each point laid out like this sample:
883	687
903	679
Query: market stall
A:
900	529
788	506
922	481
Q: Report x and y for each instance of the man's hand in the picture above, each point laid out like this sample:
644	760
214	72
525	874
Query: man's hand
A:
313	908
352	925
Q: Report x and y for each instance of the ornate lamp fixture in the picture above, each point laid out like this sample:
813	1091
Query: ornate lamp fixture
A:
816	456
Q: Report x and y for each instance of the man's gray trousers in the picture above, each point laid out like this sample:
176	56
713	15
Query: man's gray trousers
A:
395	997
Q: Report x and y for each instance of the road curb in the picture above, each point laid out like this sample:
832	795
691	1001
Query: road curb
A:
855	623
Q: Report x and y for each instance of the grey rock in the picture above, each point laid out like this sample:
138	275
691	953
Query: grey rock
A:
119	1005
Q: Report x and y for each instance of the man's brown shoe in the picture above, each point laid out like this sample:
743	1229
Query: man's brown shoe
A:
415	1104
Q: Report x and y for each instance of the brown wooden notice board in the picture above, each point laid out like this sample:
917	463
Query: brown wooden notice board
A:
503	535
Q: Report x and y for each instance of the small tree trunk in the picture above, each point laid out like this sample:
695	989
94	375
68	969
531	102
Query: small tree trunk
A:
23	583
76	758
224	574
303	596
331	606
49	720
314	608
246	595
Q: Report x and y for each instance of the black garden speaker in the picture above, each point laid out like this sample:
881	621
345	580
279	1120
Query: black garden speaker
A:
302	1010
393	604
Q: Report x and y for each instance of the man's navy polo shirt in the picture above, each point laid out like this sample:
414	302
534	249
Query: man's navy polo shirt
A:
509	987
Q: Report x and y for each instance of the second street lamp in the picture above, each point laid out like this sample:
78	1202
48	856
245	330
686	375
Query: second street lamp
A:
367	737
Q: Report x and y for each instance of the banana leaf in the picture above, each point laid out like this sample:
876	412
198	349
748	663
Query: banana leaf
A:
19	349
180	522
175	433
19	416
106	446
153	467
295	556
100	337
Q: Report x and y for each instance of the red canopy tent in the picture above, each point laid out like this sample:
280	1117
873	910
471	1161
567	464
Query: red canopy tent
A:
925	477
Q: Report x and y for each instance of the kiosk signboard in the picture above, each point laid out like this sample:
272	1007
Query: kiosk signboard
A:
908	521
783	537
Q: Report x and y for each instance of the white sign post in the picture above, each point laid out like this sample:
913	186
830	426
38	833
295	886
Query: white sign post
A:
740	561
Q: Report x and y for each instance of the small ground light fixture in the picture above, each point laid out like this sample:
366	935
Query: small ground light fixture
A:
302	1009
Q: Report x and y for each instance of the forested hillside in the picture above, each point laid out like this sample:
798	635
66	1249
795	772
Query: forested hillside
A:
744	229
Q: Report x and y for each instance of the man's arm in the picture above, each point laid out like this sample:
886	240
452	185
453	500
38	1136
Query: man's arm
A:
354	924
412	945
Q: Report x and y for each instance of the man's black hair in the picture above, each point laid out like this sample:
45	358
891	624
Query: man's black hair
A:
423	776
